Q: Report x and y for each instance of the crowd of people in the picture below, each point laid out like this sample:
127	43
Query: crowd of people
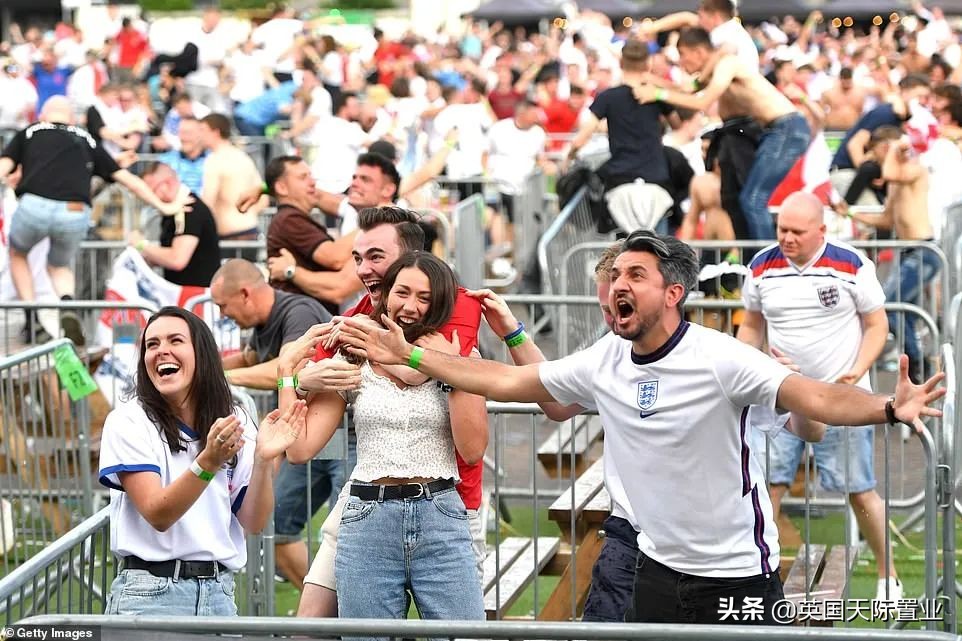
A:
706	124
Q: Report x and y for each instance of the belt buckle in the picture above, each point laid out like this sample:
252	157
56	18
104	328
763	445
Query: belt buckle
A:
420	490
213	575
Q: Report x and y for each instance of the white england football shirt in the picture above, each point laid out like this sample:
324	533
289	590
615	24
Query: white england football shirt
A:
813	312
209	530
676	426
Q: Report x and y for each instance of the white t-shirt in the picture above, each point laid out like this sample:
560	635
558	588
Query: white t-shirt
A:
209	530
212	49
813	313
734	34
676	425
339	144
472	120
276	36
513	153
247	71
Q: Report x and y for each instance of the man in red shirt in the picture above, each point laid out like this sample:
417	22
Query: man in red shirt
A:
561	117
386	57
385	233
131	49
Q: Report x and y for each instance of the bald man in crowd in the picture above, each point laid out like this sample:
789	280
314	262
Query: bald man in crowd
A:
277	318
820	303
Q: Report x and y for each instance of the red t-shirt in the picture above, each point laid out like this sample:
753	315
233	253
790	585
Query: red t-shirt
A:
503	104
466	319
131	46
560	118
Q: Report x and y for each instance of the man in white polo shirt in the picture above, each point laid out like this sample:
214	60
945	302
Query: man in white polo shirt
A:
674	400
823	306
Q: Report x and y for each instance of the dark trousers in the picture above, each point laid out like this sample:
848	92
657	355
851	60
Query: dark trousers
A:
613	573
663	595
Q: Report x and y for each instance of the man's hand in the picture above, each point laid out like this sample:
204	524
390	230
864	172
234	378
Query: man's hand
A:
439	343
182	202
248	199
384	346
785	360
295	354
279	264
913	401
333	338
329	375
644	93
496	312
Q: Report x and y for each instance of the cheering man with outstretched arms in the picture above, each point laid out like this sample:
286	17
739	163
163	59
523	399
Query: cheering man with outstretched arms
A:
674	400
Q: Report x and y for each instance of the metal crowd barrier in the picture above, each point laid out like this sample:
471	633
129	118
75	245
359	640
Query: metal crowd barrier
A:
468	224
116	628
45	455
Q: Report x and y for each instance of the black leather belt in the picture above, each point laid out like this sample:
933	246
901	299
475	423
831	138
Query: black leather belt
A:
394	492
177	569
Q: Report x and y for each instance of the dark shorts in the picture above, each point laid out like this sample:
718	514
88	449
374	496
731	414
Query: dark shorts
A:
663	595
613	574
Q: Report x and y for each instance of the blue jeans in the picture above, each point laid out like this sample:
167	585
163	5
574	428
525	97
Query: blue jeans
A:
783	143
785	453
136	592
290	492
423	545
37	218
917	269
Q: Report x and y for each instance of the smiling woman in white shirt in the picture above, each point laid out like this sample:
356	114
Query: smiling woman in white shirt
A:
189	475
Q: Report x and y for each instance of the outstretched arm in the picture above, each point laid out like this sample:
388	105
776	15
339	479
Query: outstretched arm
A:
493	380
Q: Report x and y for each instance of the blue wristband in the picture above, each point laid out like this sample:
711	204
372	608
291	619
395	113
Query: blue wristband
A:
515	333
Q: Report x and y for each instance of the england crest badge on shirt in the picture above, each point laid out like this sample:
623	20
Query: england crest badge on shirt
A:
647	394
828	296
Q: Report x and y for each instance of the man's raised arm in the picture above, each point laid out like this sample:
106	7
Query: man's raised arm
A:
493	380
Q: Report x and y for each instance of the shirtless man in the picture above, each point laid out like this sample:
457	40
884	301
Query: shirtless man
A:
843	103
787	134
228	173
705	193
907	212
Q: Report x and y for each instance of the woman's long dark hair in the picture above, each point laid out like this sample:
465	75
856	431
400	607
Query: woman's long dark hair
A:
444	291
209	392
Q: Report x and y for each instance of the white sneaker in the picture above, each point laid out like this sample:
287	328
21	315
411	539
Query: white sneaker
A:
894	587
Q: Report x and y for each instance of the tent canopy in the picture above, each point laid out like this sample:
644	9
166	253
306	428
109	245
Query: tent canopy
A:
517	11
749	10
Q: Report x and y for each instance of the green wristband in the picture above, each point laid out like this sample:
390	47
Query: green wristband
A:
414	361
514	341
265	189
287	381
201	473
661	94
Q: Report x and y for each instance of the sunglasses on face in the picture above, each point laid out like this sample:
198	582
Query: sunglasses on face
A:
644	239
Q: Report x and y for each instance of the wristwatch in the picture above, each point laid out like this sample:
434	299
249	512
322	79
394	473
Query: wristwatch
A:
289	273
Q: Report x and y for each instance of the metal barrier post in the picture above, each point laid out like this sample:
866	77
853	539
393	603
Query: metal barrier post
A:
468	220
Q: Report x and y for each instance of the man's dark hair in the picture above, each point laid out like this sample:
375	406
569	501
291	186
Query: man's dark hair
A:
183	96
340	100
845	73
577	90
219	123
276	168
677	262
634	55
913	81
155	166
385	165
724	7
479	86
444	291
209	392
948	90
694	37
410	235
885	133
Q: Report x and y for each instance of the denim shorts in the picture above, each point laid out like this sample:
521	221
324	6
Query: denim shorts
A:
136	592
37	218
386	548
785	454
613	574
290	492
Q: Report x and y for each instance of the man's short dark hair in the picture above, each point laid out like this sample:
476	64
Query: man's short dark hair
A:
677	262
386	166
155	166
410	236
634	55
846	73
276	168
694	37
340	100
183	96
724	7
219	123
913	81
